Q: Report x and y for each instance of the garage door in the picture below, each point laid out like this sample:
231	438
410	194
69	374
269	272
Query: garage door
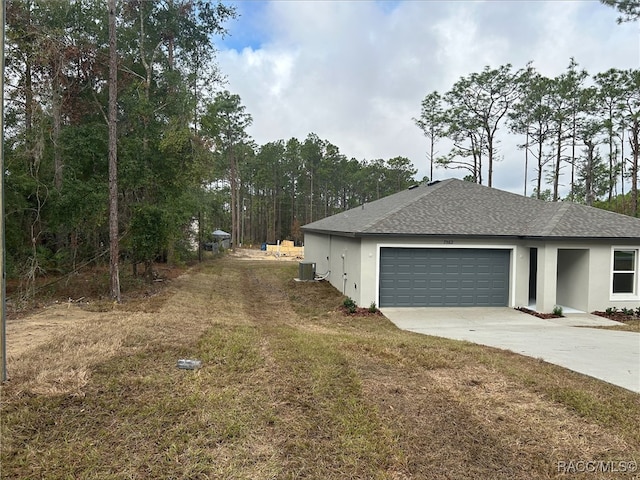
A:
444	277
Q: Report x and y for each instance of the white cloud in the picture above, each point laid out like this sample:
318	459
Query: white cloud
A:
464	45
355	72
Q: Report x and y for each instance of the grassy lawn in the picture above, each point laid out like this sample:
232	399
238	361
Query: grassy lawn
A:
627	326
290	388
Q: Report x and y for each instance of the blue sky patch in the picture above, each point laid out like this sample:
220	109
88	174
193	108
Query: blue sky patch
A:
387	6
248	29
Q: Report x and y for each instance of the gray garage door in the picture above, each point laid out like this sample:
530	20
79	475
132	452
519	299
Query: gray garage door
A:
444	277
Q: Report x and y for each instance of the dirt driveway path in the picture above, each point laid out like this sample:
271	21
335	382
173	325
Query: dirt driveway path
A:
30	331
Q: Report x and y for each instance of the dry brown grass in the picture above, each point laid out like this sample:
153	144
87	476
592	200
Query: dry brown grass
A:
290	388
627	326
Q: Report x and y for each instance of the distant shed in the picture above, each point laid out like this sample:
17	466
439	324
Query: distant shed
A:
222	238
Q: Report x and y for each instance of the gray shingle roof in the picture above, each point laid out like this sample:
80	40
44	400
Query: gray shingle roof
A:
455	207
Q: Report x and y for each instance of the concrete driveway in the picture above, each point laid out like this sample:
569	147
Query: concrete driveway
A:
609	355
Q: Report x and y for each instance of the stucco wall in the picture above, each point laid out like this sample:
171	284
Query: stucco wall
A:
316	249
339	257
573	278
600	280
576	273
547	277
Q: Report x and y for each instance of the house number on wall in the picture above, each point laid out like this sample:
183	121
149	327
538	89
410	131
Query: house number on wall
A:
448	242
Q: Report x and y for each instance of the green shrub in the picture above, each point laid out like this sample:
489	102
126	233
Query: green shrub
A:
350	305
557	310
373	308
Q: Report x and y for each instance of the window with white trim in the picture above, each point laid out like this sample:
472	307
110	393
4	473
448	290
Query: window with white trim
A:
625	265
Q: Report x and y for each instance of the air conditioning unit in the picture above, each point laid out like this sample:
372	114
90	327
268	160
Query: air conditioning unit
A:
307	271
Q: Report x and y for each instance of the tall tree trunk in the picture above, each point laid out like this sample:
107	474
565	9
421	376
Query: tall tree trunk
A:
148	77
114	250
431	153
28	97
588	186
293	202
311	200
612	162
634	142
573	156
238	215
276	215
556	170
490	160
61	233
540	167
233	184
526	161
3	288
622	170
56	111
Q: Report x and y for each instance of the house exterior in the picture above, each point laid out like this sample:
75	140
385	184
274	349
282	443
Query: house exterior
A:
456	243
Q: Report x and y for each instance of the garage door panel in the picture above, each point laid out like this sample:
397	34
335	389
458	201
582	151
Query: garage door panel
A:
435	300
451	268
404	270
444	277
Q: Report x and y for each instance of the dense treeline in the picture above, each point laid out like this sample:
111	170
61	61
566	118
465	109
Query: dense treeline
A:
574	129
288	184
266	192
186	165
56	138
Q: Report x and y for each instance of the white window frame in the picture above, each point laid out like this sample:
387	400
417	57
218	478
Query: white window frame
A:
625	295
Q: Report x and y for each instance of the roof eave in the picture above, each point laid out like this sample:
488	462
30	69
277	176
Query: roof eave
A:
463	235
579	238
329	232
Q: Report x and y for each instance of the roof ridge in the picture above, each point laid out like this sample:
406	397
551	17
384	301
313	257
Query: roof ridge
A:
561	209
431	188
456	207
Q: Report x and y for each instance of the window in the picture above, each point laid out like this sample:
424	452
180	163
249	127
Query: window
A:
624	271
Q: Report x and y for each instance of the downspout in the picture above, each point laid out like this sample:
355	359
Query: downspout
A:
344	277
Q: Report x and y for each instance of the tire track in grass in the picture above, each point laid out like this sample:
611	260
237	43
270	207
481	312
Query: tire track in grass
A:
324	427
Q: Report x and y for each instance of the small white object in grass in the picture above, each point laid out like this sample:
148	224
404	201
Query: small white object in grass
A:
187	364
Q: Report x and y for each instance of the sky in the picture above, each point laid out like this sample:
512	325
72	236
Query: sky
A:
355	72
